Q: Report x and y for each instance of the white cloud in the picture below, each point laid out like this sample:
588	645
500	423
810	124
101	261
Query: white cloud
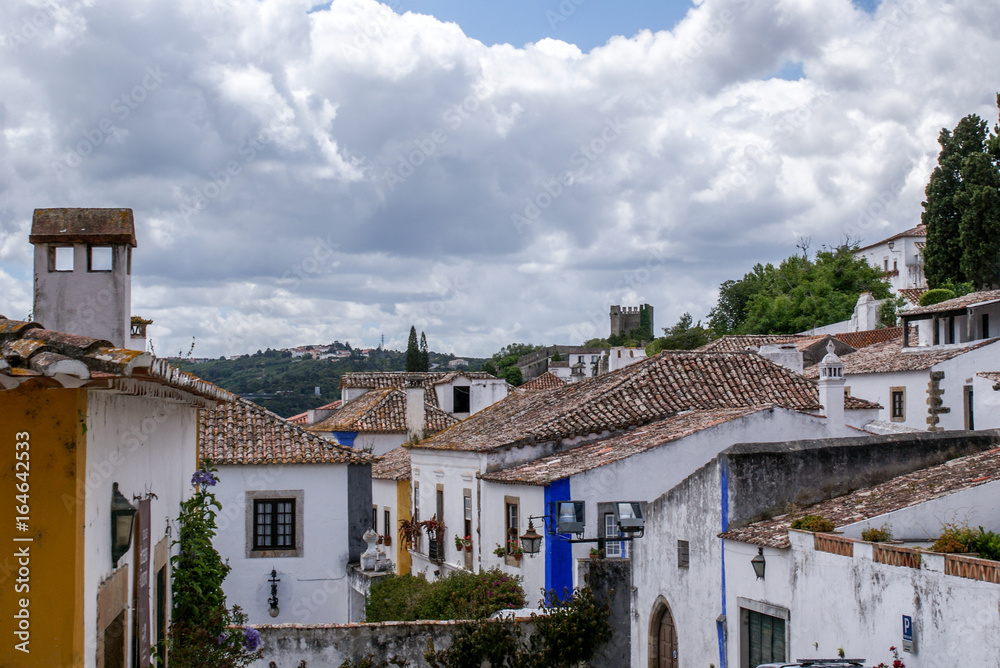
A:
302	177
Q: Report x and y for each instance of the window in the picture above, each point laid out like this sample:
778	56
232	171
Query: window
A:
416	513
99	258
388	523
512	525
612	548
885	264
986	326
461	398
467	503
970	422
435	542
60	258
274	524
897	404
683	554
579	359
375	519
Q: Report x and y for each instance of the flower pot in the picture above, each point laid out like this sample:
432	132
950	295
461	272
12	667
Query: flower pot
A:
517	557
468	548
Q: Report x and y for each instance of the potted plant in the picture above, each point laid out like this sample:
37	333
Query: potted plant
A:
459	543
409	532
499	551
595	554
468	543
514	549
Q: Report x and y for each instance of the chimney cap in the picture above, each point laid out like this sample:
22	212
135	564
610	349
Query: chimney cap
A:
107	226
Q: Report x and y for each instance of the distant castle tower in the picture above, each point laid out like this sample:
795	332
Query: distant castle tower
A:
83	272
624	320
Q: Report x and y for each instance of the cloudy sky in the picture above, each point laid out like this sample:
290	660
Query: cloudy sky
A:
490	172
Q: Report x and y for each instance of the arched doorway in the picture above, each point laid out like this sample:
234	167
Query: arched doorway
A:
662	637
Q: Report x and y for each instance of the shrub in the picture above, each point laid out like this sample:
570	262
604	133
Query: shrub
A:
877	535
812	523
459	595
960	539
936	296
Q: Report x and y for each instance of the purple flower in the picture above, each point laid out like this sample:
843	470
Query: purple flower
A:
223	638
204	478
251	638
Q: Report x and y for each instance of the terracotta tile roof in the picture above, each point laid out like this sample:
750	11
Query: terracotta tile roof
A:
650	389
957	303
30	353
242	432
738	343
918	231
110	226
869	337
912	295
547	381
303	418
891	356
607	450
991	375
381	411
380	380
891	495
395	465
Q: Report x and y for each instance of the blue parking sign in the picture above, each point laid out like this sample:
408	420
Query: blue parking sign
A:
907	634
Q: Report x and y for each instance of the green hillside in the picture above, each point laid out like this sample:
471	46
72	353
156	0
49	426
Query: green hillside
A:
286	385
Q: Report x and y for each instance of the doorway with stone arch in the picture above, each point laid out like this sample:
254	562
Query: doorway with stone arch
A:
662	636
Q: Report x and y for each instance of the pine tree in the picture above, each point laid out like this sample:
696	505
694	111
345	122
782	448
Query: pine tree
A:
425	354
962	210
412	352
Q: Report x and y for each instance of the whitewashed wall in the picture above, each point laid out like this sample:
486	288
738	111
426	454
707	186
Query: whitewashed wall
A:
313	587
493	532
455	471
482	393
145	445
987	402
958	372
853	603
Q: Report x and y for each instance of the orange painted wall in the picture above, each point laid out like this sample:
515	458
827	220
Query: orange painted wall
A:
404	505
54	420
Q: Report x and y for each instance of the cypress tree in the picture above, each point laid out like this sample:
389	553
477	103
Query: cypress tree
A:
425	354
412	351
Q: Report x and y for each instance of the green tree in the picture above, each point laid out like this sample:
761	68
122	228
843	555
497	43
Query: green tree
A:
513	375
682	336
962	207
413	362
797	295
425	355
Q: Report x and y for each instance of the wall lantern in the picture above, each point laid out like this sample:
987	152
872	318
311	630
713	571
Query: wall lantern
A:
629	515
531	540
122	517
273	601
891	244
758	563
569	517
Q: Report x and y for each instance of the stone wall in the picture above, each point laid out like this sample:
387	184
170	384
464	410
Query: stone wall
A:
329	645
768	476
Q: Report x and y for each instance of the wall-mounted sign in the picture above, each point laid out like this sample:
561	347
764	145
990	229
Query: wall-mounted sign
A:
907	634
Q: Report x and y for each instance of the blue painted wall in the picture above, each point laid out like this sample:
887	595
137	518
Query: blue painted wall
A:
558	552
724	525
345	437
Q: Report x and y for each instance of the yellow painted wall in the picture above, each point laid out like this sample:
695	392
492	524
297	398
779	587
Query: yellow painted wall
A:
404	503
54	420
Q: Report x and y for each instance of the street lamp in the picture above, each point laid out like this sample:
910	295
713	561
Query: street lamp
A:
122	516
758	563
273	601
531	540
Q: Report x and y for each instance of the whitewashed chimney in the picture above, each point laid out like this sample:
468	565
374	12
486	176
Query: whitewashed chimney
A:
831	387
415	409
83	272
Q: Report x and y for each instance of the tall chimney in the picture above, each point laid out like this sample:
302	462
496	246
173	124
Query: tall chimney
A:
83	271
831	388
415	409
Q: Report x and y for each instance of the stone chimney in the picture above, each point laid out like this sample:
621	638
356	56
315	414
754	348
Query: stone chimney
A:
831	387
415	409
83	271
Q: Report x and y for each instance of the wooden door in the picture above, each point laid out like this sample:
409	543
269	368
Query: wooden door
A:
666	641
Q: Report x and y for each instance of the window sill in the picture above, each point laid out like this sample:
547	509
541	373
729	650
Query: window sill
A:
273	554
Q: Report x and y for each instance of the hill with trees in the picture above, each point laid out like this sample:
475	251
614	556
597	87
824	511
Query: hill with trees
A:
286	385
